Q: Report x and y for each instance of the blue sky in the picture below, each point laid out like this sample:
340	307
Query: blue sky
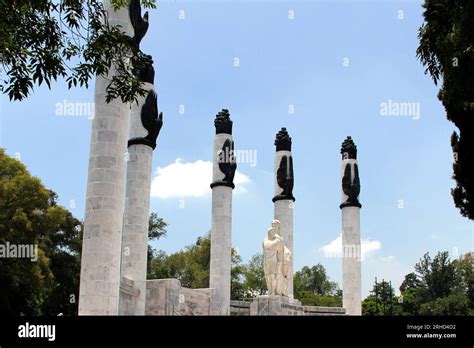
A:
335	63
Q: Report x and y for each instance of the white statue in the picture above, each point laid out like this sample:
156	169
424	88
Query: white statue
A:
276	261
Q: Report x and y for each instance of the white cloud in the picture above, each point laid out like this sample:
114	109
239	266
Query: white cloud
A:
334	248
190	179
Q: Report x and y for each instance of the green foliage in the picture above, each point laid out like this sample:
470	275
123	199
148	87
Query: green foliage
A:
381	301
30	215
308	298
455	304
311	285
439	286
315	280
191	266
412	299
439	276
411	281
41	41
156	227
254	277
156	230
237	289
447	51
465	267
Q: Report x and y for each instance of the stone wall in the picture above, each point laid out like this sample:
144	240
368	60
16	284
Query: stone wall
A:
239	308
129	295
167	297
195	301
317	310
281	305
162	297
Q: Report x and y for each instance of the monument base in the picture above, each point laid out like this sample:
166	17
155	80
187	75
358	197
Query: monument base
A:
276	305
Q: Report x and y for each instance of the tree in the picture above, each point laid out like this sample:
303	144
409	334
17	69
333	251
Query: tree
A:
42	40
30	216
439	286
439	277
254	277
156	227
465	267
447	51
312	287
314	279
411	301
64	251
191	266
156	230
237	289
411	281
381	301
455	304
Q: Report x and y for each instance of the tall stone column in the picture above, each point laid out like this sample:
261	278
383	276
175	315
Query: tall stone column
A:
144	129
351	250
145	126
101	249
224	166
283	199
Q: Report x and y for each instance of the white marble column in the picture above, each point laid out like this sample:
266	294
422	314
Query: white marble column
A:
137	206
223	172
351	247
100	264
284	199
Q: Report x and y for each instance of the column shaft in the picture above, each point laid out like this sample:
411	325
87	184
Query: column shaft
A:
100	265
223	172
221	249
351	247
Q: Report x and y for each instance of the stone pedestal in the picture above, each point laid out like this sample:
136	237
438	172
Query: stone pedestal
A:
276	305
100	265
224	167
351	246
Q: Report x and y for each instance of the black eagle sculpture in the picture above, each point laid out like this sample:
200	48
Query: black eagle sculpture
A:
228	166
140	24
151	121
351	187
285	178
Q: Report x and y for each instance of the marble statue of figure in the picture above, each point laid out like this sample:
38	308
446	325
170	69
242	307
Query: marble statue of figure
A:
276	261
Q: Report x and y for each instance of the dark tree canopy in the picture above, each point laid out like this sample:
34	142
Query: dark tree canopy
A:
447	51
43	40
30	215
